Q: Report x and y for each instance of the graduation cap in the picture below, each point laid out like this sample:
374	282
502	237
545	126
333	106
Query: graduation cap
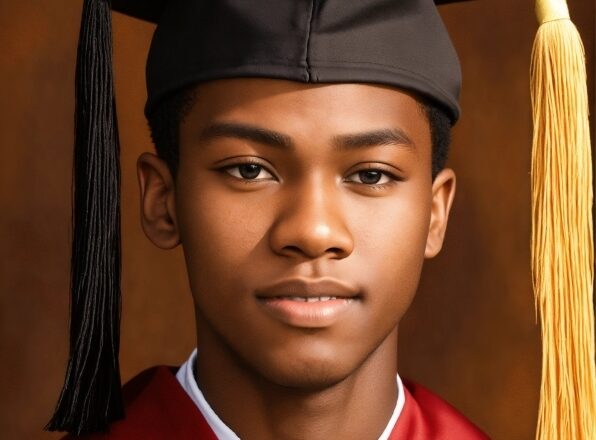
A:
397	43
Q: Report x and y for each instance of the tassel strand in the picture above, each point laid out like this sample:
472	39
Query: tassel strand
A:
91	395
562	247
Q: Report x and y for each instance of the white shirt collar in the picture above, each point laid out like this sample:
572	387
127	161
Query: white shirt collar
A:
187	380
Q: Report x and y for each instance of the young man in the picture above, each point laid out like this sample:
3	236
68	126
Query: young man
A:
301	150
305	212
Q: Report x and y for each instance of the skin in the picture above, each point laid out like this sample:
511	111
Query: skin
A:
311	211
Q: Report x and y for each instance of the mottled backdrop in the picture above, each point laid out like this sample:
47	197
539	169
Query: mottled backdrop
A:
471	334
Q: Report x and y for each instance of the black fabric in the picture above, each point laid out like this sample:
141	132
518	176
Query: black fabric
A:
147	10
399	43
150	10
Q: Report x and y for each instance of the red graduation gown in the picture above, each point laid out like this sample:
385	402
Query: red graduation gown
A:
158	408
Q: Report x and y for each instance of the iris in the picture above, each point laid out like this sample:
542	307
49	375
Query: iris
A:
370	176
249	170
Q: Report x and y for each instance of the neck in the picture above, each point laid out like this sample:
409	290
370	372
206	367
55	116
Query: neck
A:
356	407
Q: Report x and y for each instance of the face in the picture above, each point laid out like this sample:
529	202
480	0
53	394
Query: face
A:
305	213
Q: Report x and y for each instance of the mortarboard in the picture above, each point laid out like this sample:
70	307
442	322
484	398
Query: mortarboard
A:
402	44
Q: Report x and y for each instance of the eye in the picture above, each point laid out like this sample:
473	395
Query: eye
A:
371	177
248	171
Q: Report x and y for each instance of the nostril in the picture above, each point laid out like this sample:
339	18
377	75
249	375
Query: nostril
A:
297	250
292	249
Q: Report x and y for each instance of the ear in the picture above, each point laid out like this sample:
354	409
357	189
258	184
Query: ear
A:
158	206
443	192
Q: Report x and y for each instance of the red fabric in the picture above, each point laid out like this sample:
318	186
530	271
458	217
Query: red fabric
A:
157	408
426	416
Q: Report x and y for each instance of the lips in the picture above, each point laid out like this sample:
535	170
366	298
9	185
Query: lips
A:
307	303
308	288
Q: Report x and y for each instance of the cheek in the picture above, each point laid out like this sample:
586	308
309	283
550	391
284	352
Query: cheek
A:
219	232
391	246
396	227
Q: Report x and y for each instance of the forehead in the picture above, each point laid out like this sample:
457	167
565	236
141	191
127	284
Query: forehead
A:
300	108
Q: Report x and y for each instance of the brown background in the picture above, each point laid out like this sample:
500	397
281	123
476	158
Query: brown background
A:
471	335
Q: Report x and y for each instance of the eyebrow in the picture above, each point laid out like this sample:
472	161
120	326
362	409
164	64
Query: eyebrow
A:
395	136
248	132
253	133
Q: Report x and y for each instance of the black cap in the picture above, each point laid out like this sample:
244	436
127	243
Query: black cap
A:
402	43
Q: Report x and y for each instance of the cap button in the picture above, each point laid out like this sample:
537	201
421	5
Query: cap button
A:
551	10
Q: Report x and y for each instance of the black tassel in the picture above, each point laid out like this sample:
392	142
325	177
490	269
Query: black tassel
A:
91	396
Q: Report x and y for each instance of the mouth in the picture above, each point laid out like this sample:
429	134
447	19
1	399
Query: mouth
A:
306	303
308	299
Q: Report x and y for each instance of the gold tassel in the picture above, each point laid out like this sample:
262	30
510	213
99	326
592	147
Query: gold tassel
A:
562	247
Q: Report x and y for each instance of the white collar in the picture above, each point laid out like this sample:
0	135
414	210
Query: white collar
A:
187	380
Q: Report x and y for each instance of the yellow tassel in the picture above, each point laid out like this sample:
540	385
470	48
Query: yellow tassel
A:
562	247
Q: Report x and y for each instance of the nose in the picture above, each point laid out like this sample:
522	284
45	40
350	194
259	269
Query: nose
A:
311	223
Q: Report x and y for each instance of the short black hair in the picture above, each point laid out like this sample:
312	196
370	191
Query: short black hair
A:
440	134
164	123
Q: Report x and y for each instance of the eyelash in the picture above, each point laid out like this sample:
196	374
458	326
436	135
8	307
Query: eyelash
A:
393	178
245	162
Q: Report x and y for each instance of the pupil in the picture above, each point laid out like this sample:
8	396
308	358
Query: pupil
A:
249	170
370	176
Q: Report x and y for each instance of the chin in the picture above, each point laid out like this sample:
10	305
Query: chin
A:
308	378
307	372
